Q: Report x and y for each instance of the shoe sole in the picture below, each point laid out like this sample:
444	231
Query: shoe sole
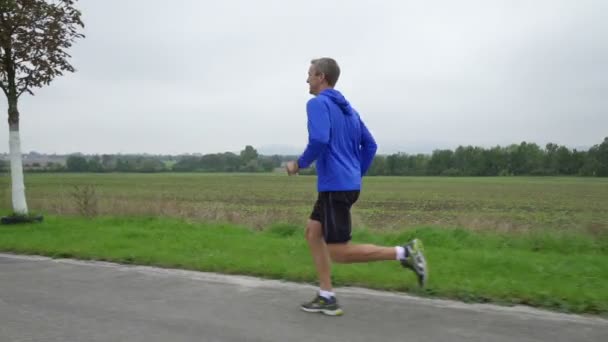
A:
337	312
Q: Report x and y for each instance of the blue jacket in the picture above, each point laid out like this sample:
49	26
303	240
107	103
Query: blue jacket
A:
339	141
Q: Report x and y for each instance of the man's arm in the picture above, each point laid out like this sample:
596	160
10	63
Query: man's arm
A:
318	132
368	148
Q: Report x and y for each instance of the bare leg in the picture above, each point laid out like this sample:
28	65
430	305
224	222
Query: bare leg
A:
319	252
347	253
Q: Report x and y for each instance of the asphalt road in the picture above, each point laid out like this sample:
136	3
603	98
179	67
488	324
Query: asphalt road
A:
44	299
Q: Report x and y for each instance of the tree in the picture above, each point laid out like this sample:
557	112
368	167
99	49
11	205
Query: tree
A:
184	164
396	164
496	162
251	166
248	154
565	161
469	161
151	165
267	164
526	158
420	164
94	164
76	163
551	162
378	166
441	160
108	162
601	157
34	37
232	162
578	161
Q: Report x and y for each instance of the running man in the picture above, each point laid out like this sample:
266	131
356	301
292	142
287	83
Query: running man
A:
343	149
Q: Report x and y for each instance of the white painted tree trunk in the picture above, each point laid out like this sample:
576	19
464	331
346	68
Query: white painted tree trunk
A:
18	187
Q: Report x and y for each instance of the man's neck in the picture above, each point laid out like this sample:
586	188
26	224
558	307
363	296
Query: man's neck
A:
322	88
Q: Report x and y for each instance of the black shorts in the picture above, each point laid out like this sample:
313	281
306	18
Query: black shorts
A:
332	209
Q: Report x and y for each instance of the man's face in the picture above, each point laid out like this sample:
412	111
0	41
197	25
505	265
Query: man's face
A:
315	80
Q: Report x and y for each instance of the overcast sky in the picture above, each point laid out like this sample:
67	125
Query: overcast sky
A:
189	76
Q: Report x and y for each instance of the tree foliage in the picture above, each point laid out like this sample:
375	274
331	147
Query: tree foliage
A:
34	38
525	159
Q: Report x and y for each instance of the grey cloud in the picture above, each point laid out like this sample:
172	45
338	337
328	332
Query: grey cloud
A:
201	76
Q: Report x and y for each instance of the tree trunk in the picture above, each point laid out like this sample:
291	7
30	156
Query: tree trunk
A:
18	187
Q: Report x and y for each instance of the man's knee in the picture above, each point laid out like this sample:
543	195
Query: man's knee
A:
337	252
314	230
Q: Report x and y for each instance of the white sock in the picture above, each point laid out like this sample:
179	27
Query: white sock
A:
326	294
400	252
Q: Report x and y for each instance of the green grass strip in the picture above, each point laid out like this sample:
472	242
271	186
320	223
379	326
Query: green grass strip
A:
563	271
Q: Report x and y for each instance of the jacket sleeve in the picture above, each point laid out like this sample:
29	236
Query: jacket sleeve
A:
368	148
318	132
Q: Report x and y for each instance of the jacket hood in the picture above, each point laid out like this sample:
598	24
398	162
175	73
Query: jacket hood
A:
339	99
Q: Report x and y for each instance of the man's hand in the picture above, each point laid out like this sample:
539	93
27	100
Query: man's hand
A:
292	168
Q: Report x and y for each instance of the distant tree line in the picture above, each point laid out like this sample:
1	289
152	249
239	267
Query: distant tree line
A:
514	160
525	159
113	163
247	161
